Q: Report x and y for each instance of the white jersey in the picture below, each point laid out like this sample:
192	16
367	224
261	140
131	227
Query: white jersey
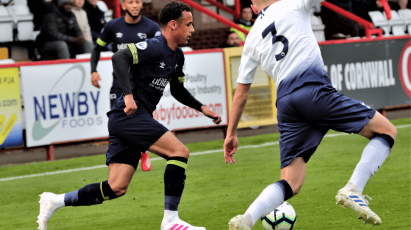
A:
283	42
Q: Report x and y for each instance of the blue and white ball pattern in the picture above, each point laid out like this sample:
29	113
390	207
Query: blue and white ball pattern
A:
283	217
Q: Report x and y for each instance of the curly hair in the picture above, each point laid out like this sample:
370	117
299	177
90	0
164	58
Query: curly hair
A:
172	11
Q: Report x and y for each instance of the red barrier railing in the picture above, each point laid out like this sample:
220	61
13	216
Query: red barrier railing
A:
214	15
387	8
237	8
368	26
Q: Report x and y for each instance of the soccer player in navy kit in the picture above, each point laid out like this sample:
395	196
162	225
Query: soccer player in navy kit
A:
131	28
282	41
153	64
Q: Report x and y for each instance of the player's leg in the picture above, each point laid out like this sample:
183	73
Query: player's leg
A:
176	154
382	135
116	92
344	114
298	141
122	161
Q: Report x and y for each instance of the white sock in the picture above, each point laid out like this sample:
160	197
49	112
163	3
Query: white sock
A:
372	158
268	200
170	216
60	200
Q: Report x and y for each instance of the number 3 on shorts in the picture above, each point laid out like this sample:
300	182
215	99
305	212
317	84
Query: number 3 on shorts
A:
271	28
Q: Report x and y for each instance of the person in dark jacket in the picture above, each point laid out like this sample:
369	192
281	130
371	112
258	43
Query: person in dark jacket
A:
95	18
60	36
39	9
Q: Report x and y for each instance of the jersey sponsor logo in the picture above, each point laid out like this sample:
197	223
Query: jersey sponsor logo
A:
162	64
405	68
142	45
159	83
121	46
158	33
142	35
362	75
119	35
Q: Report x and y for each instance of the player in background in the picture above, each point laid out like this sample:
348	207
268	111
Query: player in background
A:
308	106
131	28
153	64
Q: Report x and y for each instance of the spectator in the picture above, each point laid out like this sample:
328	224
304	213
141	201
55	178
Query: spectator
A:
244	22
60	36
232	40
82	20
39	9
95	18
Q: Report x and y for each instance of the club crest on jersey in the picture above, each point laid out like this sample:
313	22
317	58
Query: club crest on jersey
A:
142	35
162	64
142	45
119	35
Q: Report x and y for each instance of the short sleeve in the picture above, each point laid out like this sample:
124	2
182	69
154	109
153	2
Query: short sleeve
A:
308	4
248	67
106	35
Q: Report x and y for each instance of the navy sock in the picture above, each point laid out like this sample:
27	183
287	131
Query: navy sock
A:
90	195
174	179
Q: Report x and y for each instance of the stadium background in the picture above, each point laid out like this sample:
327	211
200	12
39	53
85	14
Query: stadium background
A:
375	69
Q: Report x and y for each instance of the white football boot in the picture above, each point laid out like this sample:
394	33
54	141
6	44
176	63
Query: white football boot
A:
357	202
171	221
238	223
49	202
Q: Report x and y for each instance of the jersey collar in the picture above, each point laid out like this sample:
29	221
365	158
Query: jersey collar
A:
262	12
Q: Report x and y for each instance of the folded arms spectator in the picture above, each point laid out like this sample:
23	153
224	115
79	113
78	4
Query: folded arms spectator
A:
82	20
60	36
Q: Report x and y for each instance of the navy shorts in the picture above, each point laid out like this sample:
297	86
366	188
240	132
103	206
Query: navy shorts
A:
130	135
115	91
305	116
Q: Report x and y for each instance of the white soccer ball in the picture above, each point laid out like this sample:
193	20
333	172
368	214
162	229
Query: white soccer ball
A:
283	217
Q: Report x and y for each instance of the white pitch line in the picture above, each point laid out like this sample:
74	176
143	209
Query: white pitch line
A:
158	158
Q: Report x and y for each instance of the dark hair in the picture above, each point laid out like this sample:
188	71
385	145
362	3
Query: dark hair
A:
172	11
229	33
245	7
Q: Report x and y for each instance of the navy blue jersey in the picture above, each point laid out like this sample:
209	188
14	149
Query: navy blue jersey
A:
121	33
154	65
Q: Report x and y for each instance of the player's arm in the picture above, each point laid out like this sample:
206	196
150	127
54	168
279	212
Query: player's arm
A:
246	72
181	94
121	63
102	42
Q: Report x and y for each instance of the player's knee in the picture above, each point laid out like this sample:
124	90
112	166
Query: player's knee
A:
185	152
297	190
181	151
119	190
393	132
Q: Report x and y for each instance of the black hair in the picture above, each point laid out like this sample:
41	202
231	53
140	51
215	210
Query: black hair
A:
244	7
172	11
229	33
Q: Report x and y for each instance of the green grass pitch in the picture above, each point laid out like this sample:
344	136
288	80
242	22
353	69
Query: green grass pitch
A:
215	192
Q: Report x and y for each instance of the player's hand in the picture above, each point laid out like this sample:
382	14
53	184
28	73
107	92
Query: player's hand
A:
95	77
131	106
230	147
216	118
